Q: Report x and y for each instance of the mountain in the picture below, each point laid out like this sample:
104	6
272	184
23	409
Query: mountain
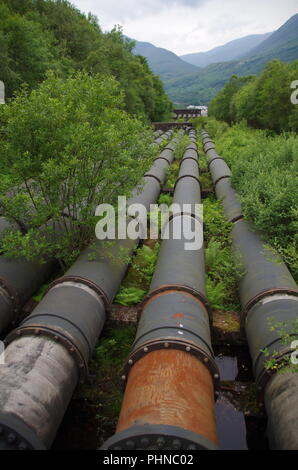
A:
201	87
288	32
162	62
230	51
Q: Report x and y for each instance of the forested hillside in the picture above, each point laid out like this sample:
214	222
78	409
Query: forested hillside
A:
164	63
264	101
201	87
232	50
41	35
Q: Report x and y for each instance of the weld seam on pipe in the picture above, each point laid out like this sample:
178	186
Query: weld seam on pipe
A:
199	296
187	176
267	294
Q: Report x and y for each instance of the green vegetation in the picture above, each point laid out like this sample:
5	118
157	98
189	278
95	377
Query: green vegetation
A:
221	278
263	101
263	168
287	333
56	155
104	394
43	35
232	50
202	86
164	63
137	280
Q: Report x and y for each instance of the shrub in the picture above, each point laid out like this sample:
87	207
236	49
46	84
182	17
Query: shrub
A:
67	147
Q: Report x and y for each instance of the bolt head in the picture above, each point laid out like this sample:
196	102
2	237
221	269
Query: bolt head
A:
22	446
11	438
144	442
130	445
176	444
160	442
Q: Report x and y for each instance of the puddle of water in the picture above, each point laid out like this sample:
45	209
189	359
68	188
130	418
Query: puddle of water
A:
228	367
231	426
236	429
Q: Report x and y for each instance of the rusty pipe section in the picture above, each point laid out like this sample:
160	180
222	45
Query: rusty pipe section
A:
48	353
269	299
171	377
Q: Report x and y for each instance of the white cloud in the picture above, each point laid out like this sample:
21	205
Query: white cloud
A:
185	26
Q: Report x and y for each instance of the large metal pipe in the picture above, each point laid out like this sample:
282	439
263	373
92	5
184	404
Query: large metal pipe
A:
269	299
171	376
19	278
47	355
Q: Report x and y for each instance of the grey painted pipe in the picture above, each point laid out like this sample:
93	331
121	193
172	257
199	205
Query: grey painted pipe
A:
219	170
48	353
19	279
269	296
175	316
229	199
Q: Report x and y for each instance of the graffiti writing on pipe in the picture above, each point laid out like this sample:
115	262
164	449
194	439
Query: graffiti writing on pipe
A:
177	222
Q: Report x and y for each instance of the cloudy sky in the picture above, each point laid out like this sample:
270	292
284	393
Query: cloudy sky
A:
185	26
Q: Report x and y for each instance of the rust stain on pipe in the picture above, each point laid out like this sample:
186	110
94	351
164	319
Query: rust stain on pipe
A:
173	388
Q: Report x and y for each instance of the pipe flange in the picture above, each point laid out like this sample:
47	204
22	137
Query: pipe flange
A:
82	280
261	295
235	219
57	336
213	160
182	213
180	288
187	176
16	435
161	158
266	374
220	178
173	343
149	175
207	140
12	294
188	158
158	437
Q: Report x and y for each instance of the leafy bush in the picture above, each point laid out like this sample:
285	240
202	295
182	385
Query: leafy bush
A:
43	35
67	147
264	169
129	296
262	100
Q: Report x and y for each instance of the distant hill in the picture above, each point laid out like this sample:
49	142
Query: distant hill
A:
201	87
230	51
162	62
286	33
